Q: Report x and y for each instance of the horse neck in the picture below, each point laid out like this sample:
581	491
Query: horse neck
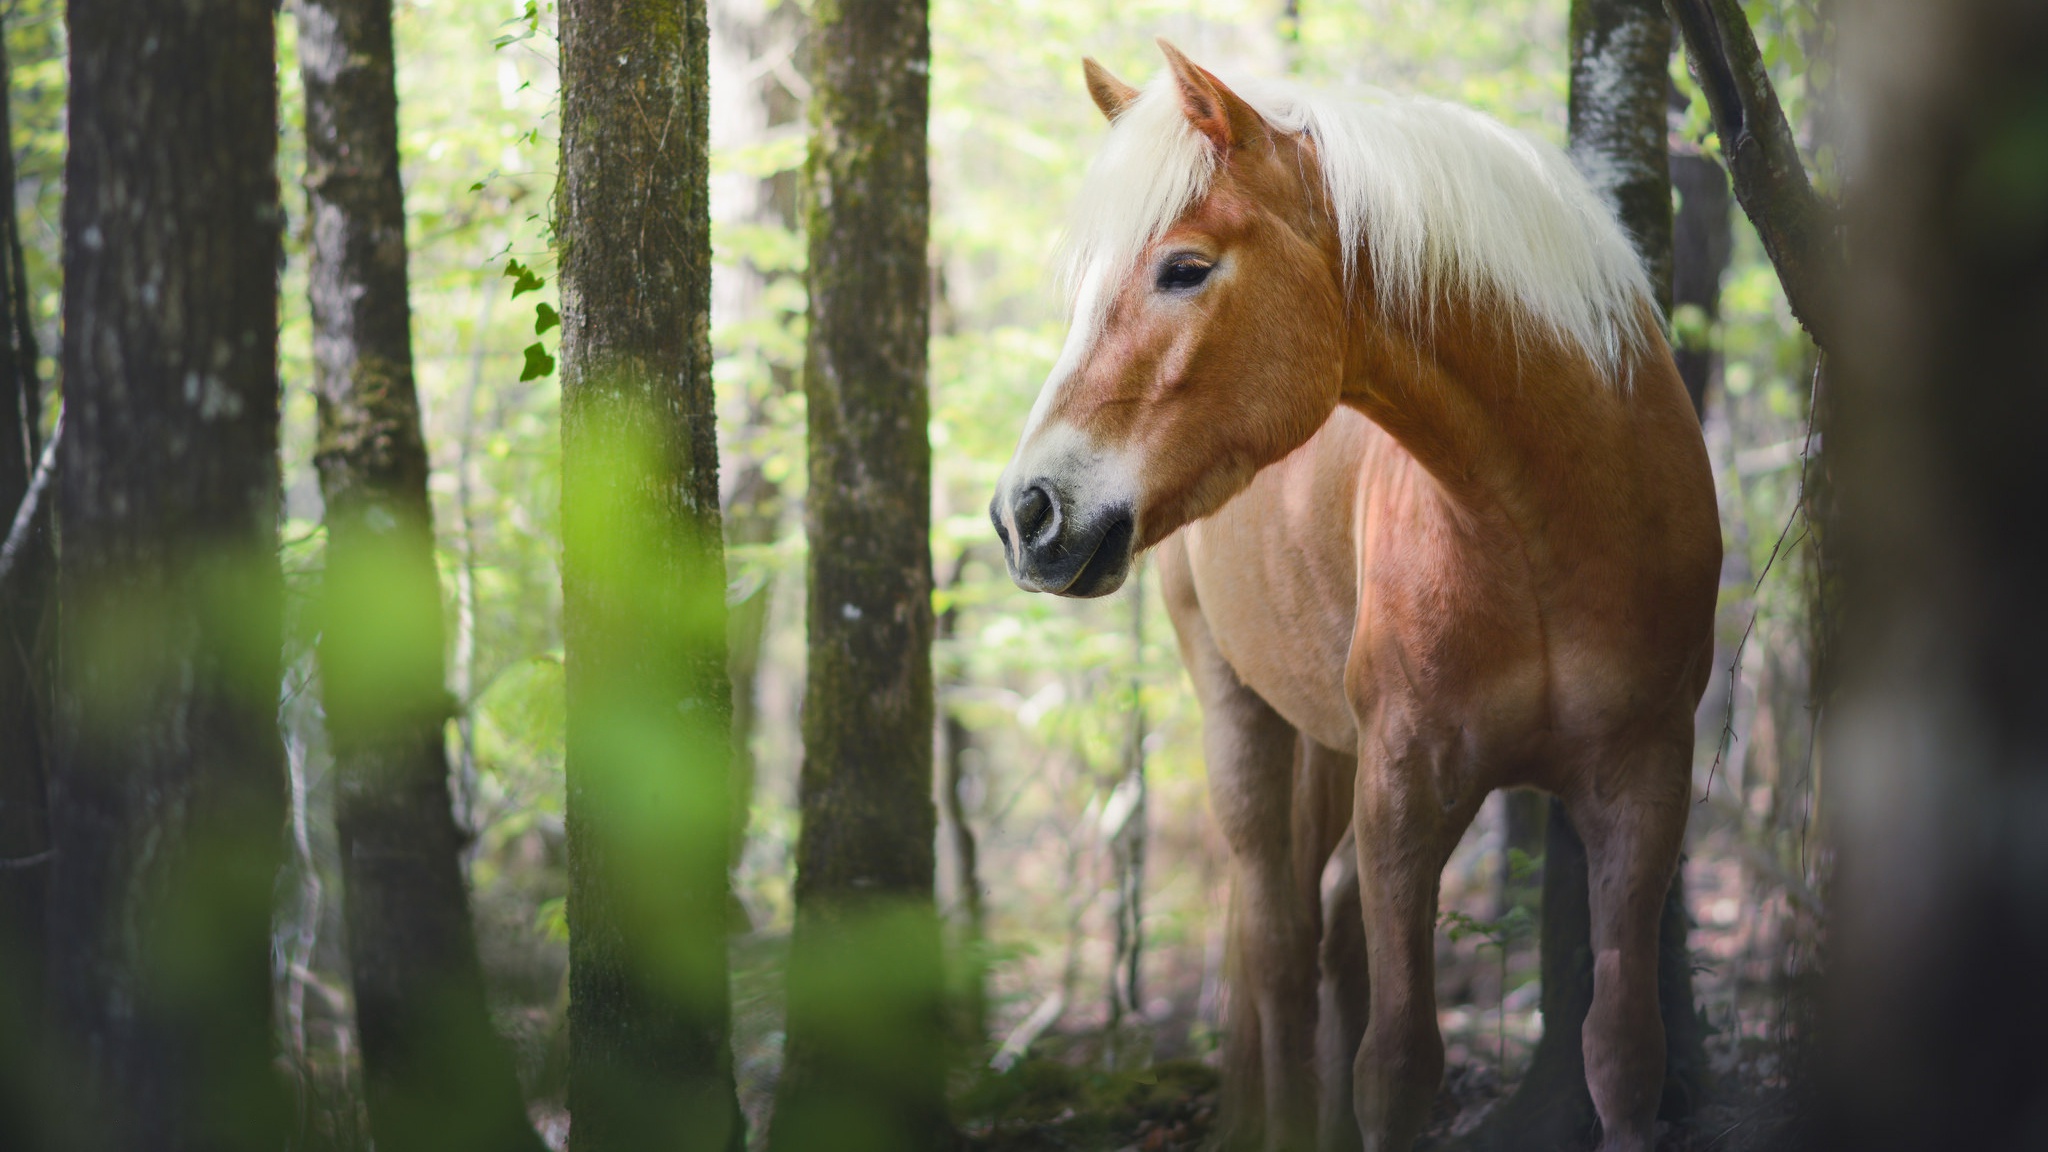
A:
1508	419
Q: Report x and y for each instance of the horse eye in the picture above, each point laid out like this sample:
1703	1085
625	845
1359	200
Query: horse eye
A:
1183	272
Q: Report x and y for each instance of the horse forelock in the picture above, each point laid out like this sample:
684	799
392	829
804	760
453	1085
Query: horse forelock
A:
1443	202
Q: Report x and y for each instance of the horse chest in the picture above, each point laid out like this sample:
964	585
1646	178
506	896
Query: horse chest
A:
1282	614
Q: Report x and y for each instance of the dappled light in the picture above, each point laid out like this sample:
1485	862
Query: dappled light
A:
767	576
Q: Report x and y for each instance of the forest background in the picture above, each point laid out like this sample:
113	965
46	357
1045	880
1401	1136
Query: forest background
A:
1069	731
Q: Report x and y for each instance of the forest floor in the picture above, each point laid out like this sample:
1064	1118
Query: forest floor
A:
1056	1107
1046	1104
1062	1099
1155	1089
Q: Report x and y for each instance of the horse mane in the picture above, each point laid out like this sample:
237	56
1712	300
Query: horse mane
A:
1445	201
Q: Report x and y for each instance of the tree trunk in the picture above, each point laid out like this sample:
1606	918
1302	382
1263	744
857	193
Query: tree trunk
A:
643	583
1129	838
1797	227
24	682
437	1074
1935	1007
1702	242
1525	815
167	789
1621	50
865	1067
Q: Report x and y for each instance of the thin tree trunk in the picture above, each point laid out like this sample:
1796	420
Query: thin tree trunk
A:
167	788
25	671
866	1056
1703	241
958	741
462	675
643	588
438	1076
1935	1005
1621	50
1525	813
1128	840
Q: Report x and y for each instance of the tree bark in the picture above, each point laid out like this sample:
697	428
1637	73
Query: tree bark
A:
1616	121
25	669
1797	227
1935	1006
167	789
1620	85
643	583
438	1077
865	1064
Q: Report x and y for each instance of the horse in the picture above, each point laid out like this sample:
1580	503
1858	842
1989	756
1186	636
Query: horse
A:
1384	383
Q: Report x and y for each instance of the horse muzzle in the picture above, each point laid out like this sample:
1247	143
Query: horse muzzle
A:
1053	547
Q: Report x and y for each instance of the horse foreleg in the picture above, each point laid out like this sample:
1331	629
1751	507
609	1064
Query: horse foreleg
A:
1269	1086
1400	833
1633	840
1342	1004
1251	753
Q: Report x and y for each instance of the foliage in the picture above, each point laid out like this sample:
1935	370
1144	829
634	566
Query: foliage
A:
1044	684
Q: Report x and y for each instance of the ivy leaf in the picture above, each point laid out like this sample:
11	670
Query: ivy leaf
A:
538	363
545	317
523	279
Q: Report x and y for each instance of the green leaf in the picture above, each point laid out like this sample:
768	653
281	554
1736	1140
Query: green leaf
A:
552	919
523	279
538	363
545	317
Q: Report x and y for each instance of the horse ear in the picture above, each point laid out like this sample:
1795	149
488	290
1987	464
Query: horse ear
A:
1110	94
1214	110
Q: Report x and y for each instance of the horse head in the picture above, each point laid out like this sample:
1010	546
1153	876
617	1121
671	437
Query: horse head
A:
1207	336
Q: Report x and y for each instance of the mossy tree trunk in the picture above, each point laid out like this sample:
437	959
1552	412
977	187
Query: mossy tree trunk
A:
643	582
438	1077
865	1060
1620	90
167	786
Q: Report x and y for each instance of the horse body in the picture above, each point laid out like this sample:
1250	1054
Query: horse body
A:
1429	544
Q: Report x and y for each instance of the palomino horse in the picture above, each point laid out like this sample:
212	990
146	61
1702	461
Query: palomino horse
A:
1394	376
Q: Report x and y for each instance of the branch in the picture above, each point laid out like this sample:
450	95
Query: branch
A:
1796	224
17	535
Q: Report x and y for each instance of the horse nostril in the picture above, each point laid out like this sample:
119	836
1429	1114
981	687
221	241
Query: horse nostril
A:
996	518
1034	508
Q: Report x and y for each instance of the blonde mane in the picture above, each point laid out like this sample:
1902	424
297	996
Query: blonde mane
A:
1443	200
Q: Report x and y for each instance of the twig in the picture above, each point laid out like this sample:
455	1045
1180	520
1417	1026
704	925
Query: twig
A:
1024	1035
1798	506
17	535
20	862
